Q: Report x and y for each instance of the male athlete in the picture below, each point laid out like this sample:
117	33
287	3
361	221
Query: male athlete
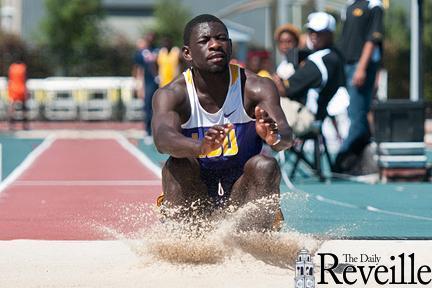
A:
212	121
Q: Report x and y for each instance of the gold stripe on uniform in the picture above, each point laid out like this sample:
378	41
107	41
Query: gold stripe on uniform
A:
234	73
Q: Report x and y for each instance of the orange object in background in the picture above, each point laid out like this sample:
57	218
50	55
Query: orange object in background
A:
17	82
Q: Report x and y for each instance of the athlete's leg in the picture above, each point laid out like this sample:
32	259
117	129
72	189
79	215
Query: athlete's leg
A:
261	179
182	184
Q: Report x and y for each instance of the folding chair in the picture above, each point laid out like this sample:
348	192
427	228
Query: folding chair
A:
320	147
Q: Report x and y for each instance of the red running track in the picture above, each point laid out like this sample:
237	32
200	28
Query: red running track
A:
74	187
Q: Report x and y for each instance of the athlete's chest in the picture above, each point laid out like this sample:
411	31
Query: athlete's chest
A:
211	103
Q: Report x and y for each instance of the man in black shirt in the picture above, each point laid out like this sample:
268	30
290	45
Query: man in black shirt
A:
361	44
322	71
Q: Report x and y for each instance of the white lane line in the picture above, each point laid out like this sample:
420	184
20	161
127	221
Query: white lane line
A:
87	183
147	162
158	171
370	208
334	202
28	161
374	209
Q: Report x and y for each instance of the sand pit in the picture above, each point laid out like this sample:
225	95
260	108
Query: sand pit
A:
113	264
28	263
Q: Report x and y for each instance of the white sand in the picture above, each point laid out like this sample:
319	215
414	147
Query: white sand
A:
31	263
112	264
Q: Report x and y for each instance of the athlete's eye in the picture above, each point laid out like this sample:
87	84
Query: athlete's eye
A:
203	40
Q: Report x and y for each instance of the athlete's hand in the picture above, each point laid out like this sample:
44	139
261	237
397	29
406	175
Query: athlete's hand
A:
214	138
265	126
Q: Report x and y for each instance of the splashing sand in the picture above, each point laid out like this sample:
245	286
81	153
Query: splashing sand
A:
210	252
213	240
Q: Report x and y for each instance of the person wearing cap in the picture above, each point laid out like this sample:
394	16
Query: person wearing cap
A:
322	71
361	43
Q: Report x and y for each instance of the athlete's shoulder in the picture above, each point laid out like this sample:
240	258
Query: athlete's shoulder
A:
172	94
255	82
258	88
177	87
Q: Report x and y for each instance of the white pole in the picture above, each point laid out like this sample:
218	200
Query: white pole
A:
297	14
415	45
319	5
282	12
268	28
283	7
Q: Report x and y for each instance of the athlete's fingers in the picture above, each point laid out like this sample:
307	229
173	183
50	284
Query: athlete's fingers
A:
264	113
262	116
215	131
214	135
272	125
268	121
258	114
272	130
212	131
228	127
218	127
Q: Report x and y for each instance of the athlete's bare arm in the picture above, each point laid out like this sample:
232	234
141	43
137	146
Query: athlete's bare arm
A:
262	102
171	109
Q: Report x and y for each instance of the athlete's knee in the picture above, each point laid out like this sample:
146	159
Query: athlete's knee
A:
180	165
263	167
178	176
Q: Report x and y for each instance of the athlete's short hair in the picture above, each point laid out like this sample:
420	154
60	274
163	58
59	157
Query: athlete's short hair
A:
203	18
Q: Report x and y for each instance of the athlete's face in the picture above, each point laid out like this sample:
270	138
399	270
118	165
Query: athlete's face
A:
209	47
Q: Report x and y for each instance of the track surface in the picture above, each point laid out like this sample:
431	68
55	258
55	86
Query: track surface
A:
72	186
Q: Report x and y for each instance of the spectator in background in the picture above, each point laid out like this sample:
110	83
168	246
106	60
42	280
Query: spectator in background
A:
17	93
138	71
323	71
287	37
361	43
168	62
258	61
145	63
253	61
